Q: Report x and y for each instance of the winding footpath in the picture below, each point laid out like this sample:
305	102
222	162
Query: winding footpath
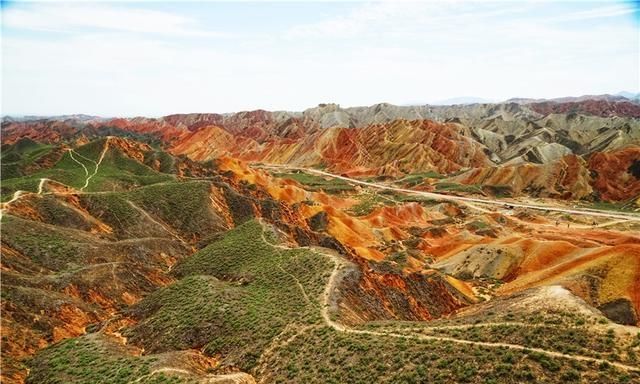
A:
15	197
19	194
332	284
444	197
328	303
235	378
71	152
164	226
41	185
104	151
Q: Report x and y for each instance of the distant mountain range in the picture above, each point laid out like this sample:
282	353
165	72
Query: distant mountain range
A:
78	117
466	100
462	100
630	95
620	96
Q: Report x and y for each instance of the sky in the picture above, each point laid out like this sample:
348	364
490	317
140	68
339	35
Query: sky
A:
158	58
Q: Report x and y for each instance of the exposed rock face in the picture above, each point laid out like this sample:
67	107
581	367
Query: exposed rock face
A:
566	178
319	221
382	138
401	146
621	311
616	175
484	248
601	108
376	295
489	261
612	176
131	149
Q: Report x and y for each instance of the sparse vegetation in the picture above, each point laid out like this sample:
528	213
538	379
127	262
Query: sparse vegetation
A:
117	172
564	339
414	179
356	359
16	157
183	204
628	206
317	183
93	359
454	187
50	248
235	296
367	204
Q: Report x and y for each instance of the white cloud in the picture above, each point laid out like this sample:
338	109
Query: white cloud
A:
122	61
78	17
597	13
404	18
351	24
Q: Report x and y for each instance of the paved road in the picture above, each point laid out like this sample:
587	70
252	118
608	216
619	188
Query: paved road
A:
442	196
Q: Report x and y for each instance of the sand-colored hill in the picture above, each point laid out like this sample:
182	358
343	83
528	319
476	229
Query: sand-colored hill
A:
566	178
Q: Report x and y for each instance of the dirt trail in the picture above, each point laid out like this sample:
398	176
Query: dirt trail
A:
327	304
18	194
331	286
235	378
495	345
339	263
276	344
441	196
93	266
164	226
84	157
162	370
15	197
41	185
104	151
71	152
328	290
300	286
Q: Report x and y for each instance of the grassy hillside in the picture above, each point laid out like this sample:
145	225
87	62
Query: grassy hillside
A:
16	157
325	356
182	204
317	183
234	297
94	359
116	172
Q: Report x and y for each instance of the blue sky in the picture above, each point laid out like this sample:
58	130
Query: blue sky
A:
157	58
